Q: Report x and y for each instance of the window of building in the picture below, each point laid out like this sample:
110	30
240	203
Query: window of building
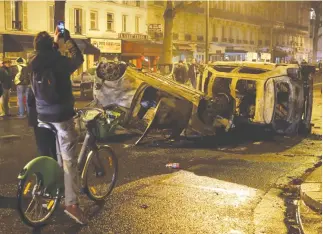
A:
124	23
110	22
138	3
137	24
93	20
214	30
51	25
78	21
16	13
125	2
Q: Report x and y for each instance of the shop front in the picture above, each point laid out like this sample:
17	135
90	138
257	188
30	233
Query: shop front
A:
235	54
216	53
182	52
142	53
110	49
14	46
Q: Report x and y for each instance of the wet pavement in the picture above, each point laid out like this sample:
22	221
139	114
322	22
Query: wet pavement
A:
231	184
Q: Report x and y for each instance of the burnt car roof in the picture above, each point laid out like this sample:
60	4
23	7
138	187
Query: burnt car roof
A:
257	70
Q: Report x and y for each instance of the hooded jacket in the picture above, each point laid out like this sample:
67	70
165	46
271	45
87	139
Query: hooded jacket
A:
62	68
23	75
5	77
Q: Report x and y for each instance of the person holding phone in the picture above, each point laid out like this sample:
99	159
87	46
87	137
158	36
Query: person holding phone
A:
52	88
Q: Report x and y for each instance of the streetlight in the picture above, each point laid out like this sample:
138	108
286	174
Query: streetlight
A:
207	32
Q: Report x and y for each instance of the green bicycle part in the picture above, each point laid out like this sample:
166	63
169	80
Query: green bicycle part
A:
47	170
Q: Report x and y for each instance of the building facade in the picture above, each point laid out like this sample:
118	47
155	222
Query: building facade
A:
239	30
102	29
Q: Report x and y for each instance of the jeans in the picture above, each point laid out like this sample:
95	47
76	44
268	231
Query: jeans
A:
4	102
22	91
46	142
67	138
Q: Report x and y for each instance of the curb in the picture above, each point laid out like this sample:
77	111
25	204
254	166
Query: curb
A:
311	191
9	137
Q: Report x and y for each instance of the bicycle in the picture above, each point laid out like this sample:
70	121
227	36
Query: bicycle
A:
41	181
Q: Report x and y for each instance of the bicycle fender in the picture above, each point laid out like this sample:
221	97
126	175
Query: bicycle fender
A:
47	169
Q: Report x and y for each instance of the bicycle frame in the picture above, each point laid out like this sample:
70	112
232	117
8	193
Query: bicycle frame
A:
51	171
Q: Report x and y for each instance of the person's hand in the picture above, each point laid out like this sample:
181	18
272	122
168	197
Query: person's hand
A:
57	35
67	35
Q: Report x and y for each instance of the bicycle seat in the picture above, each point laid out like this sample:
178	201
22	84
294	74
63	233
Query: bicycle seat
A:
48	126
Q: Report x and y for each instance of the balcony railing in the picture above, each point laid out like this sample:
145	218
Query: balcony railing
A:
188	37
200	38
16	25
215	39
78	29
224	39
159	35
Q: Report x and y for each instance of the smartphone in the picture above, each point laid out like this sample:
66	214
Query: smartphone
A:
61	27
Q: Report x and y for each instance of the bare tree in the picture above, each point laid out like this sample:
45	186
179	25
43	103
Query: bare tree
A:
169	15
317	7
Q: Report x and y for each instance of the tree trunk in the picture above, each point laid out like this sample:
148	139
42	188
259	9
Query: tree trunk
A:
317	6
168	33
59	14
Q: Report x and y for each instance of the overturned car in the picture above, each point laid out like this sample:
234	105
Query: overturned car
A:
228	94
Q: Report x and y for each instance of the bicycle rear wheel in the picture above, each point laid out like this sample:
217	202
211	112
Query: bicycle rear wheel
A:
100	173
35	207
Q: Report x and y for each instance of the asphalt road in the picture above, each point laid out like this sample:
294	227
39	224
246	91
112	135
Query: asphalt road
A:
231	184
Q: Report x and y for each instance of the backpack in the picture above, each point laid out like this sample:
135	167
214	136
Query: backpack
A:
44	86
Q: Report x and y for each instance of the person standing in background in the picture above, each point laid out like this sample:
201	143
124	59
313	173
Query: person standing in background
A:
22	80
6	83
192	73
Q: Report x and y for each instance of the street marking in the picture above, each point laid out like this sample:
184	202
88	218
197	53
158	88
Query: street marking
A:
27	188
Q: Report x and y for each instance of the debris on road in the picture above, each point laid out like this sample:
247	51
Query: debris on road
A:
173	165
144	206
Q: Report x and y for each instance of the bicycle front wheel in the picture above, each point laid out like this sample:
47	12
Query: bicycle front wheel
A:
34	206
100	173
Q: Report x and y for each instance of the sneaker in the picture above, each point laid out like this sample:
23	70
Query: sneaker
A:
75	213
21	116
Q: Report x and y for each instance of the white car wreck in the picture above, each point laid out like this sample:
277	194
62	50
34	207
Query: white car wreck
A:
228	94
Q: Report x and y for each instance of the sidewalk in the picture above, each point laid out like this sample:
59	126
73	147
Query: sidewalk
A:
311	190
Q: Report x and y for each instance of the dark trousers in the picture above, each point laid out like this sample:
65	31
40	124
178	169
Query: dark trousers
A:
46	142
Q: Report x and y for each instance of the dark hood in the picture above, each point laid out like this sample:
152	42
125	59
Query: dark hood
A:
43	60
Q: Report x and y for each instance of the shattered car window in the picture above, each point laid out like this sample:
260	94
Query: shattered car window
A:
223	68
250	70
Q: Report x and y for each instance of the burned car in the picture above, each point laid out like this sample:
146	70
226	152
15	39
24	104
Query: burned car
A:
228	94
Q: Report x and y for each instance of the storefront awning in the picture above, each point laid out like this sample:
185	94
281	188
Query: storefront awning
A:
235	51
183	47
280	53
86	47
17	43
132	48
